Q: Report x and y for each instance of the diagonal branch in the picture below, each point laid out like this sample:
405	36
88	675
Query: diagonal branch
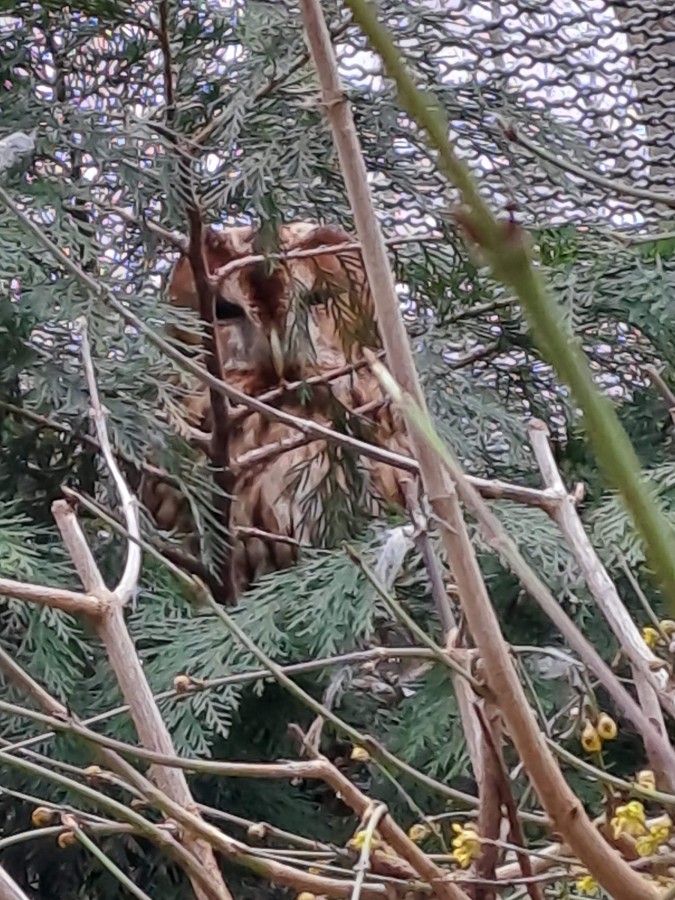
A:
651	678
114	635
560	803
218	450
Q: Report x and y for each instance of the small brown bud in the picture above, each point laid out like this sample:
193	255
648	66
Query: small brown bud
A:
66	839
42	817
182	684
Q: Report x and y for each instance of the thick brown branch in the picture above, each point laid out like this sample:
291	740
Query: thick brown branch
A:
219	452
560	803
58	598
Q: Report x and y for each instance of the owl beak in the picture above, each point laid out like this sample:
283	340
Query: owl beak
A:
277	353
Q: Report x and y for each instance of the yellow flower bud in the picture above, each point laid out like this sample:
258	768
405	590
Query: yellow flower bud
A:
587	885
667	626
659	834
306	895
651	636
360	754
419	832
590	739
359	840
629	819
466	844
606	727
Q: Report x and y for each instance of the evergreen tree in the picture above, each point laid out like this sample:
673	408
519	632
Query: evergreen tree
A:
116	102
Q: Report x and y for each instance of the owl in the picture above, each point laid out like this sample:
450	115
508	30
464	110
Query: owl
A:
284	327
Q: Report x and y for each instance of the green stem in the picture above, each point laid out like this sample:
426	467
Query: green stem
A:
505	248
107	863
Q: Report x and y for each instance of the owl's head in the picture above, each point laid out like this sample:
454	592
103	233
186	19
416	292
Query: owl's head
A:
283	316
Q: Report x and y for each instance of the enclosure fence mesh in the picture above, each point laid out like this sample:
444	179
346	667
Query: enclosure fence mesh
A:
566	109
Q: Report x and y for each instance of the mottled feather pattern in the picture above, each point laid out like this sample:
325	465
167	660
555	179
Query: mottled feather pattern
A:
319	311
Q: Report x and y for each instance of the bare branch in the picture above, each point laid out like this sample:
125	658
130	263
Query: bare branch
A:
613	185
560	803
173	238
58	598
128	584
652	679
218	450
390	831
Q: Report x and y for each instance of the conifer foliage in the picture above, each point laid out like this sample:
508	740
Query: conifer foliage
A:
114	119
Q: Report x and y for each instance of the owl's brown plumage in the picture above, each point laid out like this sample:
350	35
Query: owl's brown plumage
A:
281	321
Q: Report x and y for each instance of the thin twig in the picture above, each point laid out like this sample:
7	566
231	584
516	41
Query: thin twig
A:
128	583
613	185
41	421
391	832
125	882
363	865
664	389
395	607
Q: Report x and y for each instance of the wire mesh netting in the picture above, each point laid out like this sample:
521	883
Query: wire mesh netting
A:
564	108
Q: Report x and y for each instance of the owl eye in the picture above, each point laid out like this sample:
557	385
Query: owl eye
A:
227	311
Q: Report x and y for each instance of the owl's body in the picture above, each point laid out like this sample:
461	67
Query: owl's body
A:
291	322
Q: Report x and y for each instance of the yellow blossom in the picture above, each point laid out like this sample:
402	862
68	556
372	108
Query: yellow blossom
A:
466	844
419	832
587	885
590	739
360	754
359	840
659	833
667	626
651	636
646	779
606	727
629	819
